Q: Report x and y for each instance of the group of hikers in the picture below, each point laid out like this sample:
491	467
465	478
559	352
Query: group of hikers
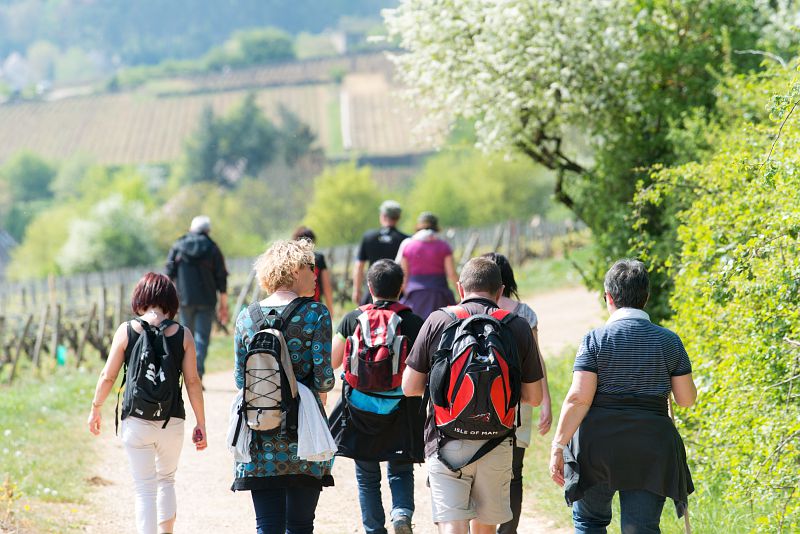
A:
426	376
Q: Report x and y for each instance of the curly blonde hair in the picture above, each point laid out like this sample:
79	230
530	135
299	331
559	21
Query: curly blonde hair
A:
275	268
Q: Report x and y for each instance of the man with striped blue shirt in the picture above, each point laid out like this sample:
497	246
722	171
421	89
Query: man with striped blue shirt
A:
614	433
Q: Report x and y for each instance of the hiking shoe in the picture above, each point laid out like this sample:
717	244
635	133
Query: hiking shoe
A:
402	525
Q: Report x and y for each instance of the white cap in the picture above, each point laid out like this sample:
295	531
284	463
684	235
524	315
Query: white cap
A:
200	224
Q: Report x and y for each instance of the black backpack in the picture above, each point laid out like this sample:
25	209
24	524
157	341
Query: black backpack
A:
152	377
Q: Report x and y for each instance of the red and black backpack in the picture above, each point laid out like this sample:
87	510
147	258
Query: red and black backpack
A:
375	355
475	379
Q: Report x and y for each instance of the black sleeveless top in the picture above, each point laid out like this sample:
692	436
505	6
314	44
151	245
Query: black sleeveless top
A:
175	345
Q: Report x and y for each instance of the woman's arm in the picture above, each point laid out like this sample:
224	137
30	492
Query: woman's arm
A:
116	357
327	290
450	270
194	388
684	390
576	406
545	409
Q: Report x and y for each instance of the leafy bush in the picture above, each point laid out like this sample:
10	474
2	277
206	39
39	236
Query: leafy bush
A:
736	269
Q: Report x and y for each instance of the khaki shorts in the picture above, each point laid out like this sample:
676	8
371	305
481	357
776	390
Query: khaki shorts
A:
480	490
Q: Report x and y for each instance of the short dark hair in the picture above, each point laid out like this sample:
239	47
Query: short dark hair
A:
385	279
506	274
155	290
628	284
304	232
481	275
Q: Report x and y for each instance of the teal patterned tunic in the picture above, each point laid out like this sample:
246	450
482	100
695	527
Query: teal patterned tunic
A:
274	458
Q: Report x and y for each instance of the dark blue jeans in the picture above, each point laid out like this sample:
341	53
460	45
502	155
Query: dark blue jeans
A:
199	319
289	510
640	511
401	484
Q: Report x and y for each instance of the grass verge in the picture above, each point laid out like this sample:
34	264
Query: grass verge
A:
562	270
44	447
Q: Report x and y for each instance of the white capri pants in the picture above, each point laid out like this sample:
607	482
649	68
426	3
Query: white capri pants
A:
153	453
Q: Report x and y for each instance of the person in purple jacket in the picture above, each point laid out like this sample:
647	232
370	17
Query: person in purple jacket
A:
427	261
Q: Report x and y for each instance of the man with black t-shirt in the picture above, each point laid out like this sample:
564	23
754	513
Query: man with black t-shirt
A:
395	422
377	245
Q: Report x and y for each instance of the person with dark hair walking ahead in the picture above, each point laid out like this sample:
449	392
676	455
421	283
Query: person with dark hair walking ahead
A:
324	289
371	427
615	433
377	245
154	446
197	267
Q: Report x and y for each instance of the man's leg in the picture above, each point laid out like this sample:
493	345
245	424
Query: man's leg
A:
401	484
491	489
640	511
368	476
510	527
203	319
451	491
592	514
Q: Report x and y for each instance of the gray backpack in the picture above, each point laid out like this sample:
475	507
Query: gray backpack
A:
270	388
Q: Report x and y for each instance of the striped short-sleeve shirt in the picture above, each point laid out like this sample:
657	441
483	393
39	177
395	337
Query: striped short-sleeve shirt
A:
631	355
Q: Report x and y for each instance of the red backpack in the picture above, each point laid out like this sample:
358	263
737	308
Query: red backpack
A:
375	355
475	379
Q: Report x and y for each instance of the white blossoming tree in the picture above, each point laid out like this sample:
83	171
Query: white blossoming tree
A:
592	89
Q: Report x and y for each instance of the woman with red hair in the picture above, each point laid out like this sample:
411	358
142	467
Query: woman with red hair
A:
154	446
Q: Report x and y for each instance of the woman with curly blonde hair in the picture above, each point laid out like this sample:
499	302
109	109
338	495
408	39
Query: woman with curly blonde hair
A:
285	489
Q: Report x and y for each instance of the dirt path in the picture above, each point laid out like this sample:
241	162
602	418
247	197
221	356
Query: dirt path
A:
205	504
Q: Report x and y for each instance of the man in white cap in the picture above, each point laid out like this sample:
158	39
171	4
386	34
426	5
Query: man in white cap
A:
197	267
379	244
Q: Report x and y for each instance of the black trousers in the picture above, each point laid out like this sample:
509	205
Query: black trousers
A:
516	492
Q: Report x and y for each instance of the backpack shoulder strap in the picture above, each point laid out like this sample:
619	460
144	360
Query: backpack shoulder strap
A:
504	316
256	315
456	312
288	312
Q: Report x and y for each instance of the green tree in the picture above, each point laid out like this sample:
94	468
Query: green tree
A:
224	150
26	179
252	47
37	255
591	90
344	204
465	187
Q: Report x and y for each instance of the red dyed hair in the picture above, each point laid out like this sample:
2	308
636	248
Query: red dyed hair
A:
155	290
